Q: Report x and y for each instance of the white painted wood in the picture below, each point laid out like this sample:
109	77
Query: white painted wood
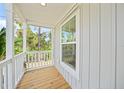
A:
19	67
85	65
97	57
120	47
9	31
94	46
38	59
1	77
72	71
9	37
107	64
6	69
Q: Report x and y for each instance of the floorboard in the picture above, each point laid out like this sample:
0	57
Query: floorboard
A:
44	78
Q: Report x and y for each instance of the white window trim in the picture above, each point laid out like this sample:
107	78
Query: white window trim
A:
73	72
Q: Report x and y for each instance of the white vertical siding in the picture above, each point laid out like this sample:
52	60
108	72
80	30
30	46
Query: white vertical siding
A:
120	46
94	46
101	33
85	41
107	66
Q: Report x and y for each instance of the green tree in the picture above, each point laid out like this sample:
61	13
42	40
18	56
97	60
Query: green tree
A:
2	43
18	43
33	39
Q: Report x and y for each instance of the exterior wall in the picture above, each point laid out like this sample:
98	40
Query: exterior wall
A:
101	46
120	47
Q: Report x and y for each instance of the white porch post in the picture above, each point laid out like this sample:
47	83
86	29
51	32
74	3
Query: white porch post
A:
9	32
10	45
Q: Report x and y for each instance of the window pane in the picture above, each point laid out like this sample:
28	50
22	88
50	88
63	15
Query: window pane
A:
68	31
32	38
45	38
2	32
69	54
18	37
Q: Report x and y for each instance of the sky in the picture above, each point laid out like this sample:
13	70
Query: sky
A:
35	29
2	16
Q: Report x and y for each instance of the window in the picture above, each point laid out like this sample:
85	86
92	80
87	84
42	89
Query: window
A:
69	54
39	38
2	32
69	44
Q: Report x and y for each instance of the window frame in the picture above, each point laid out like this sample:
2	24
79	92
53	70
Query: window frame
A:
72	71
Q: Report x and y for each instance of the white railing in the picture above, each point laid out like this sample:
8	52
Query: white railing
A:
19	61
11	71
38	59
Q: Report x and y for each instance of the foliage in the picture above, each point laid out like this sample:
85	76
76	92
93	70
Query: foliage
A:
18	43
18	46
2	43
33	39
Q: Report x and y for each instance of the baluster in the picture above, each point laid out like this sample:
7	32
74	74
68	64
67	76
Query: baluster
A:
6	75
32	60
1	77
16	74
47	58
35	57
44	59
32	57
39	56
51	58
13	73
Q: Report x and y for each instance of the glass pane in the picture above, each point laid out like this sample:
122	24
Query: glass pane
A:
2	32
32	37
18	37
45	39
69	54
69	31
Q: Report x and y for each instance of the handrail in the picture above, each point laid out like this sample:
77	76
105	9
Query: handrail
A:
36	59
11	70
38	51
7	59
19	54
4	61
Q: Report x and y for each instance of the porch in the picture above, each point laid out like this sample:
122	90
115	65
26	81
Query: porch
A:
44	78
31	70
86	48
28	68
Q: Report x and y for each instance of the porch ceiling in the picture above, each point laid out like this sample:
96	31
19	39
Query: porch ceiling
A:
44	16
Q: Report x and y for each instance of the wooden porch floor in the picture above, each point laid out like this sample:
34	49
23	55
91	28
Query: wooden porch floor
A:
44	78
